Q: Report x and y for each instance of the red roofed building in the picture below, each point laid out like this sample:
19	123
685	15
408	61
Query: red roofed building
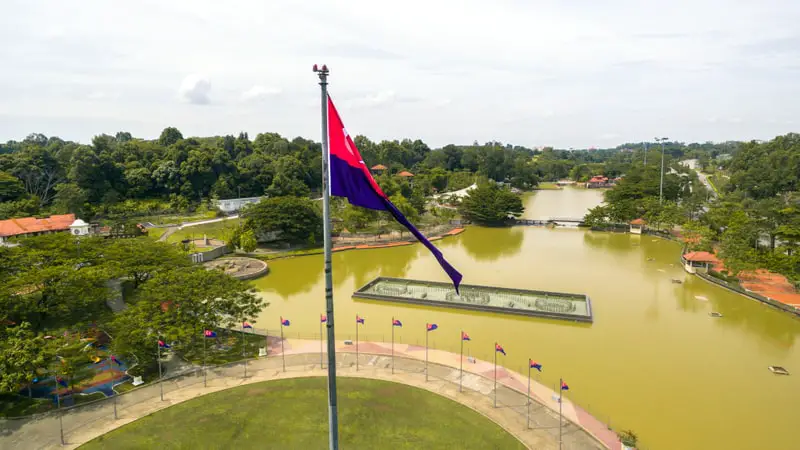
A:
637	226
598	181
405	174
698	261
378	168
32	226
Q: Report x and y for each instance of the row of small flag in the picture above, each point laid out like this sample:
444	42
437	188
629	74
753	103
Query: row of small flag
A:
429	327
360	320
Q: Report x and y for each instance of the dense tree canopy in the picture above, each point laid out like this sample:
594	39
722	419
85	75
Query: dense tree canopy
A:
490	204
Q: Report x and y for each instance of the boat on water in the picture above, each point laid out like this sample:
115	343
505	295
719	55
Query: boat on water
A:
552	305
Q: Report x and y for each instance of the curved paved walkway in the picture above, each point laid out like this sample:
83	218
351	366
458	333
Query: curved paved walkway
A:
302	359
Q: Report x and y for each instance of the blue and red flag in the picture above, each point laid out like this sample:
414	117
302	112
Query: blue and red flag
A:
465	336
432	326
209	334
163	344
396	323
285	322
349	177
359	319
115	360
535	365
61	382
246	325
323	318
564	386
499	348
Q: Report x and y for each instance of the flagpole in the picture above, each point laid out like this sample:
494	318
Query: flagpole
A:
160	381
560	396
58	403
283	355
244	349
529	394
333	414
321	365
356	342
205	384
426	351
461	364
392	345
495	374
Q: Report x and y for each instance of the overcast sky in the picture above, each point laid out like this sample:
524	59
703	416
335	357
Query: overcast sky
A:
567	73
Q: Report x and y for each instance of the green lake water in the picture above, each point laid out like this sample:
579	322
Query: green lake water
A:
653	360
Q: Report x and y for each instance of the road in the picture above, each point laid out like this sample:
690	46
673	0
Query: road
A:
693	164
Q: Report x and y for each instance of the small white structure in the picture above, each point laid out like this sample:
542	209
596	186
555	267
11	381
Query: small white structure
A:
637	226
137	381
79	228
235	204
694	262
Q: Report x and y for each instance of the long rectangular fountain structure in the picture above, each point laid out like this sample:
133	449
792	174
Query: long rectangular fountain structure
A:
553	305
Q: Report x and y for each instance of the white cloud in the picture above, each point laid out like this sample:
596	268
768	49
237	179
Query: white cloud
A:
497	73
259	92
194	89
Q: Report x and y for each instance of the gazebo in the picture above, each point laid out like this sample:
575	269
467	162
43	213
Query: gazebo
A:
378	168
405	174
699	261
637	226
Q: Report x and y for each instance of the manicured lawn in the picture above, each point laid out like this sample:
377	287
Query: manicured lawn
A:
216	230
156	233
293	414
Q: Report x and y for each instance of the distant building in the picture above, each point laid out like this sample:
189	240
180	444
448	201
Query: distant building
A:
32	226
232	205
598	181
79	228
694	262
379	168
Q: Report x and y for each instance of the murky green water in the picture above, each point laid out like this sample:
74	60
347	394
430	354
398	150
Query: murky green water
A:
653	361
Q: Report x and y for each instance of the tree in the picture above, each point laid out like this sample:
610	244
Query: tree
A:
491	205
297	220
178	305
357	218
736	246
697	236
142	258
21	353
169	136
248	241
11	187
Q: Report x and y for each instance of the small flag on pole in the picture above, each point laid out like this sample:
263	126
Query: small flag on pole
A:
61	382
163	344
465	336
115	360
209	334
564	386
285	322
499	348
535	365
246	325
360	320
396	323
323	318
432	326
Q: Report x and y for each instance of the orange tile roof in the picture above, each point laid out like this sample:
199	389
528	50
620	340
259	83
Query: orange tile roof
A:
639	221
378	167
405	174
701	257
29	225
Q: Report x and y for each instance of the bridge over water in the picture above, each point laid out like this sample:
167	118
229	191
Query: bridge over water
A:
563	221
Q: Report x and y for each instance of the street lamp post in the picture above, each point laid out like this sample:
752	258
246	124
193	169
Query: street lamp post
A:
661	185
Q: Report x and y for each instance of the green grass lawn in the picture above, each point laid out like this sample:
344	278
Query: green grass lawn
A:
216	230
156	233
293	414
547	185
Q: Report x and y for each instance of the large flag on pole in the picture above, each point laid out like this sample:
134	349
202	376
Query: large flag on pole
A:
349	177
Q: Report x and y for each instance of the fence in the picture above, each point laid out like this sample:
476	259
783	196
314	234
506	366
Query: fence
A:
716	278
534	422
210	255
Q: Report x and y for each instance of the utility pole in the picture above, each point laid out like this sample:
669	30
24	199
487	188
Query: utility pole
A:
333	413
661	185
